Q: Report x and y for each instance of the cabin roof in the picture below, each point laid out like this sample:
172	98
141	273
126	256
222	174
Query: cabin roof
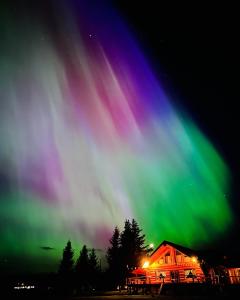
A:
213	258
180	248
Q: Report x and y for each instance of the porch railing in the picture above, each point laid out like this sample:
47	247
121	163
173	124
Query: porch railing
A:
216	279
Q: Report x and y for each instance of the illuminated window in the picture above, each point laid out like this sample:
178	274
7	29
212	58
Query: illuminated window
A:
187	258
160	274
190	273
161	261
179	258
167	258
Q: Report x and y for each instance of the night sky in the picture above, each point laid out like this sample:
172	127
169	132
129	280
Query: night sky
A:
194	52
114	110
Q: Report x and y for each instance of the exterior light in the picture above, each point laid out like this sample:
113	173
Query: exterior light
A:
146	264
194	259
151	246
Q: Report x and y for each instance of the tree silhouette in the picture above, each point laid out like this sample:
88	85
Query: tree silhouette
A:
126	251
66	265
82	264
139	248
132	244
94	268
114	259
82	270
65	283
93	261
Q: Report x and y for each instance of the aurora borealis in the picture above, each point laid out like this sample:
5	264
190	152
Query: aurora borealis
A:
89	138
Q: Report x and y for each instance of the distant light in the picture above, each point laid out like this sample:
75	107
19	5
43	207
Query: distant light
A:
22	286
146	264
194	259
151	246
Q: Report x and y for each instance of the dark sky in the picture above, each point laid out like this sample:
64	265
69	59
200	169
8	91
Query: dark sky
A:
194	53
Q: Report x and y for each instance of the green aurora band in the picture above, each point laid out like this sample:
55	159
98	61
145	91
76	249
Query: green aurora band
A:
89	138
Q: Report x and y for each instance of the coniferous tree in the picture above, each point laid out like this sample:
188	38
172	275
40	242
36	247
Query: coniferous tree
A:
126	246
65	284
66	265
82	264
94	269
93	261
82	269
114	259
113	250
138	239
126	251
132	248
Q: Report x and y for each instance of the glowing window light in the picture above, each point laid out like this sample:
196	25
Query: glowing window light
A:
146	264
194	259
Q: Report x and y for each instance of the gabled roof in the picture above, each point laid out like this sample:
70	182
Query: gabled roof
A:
213	258
184	250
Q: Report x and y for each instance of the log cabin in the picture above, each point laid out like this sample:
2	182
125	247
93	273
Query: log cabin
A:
172	263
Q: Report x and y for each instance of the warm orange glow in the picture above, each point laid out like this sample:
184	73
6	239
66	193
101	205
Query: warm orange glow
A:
146	264
194	259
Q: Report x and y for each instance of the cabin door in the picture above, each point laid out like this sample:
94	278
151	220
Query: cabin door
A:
174	276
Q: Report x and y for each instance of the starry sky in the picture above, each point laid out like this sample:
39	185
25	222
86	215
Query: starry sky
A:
111	110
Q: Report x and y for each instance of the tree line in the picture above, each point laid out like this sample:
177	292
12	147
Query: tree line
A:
127	249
